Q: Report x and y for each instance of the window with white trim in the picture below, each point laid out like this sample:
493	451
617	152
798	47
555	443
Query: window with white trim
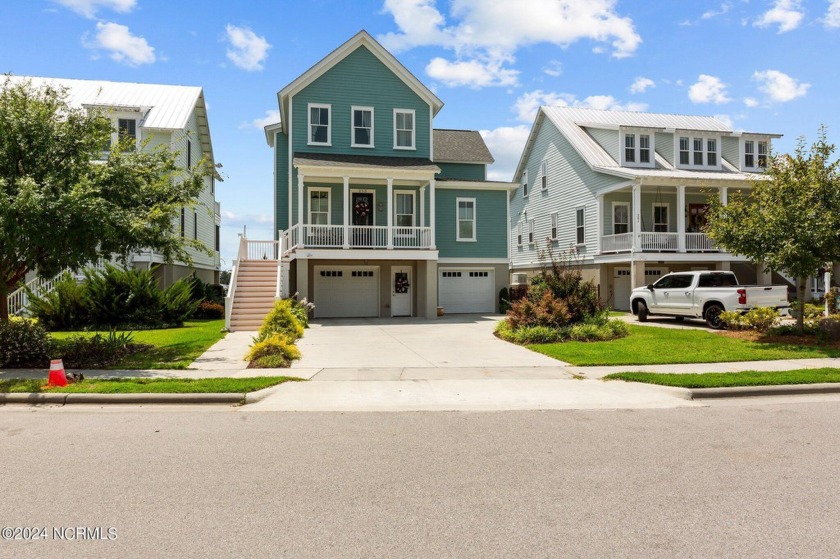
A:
660	217
404	129
638	149
525	184
362	127
319	206
530	231
320	131
554	225
755	155
711	152
404	209
519	234
699	152
465	208
684	151
580	226
127	131
762	154
621	218
544	175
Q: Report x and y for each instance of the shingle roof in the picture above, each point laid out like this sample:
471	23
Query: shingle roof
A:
460	146
341	160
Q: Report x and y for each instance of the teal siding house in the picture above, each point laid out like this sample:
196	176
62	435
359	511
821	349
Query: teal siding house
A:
378	213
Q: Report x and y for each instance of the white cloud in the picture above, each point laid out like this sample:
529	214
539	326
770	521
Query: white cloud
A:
641	84
787	14
506	145
832	16
779	87
88	8
121	44
708	89
491	32
527	104
472	73
724	9
555	68
247	49
751	102
272	116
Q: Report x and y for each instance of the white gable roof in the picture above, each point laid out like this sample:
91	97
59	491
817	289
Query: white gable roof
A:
165	107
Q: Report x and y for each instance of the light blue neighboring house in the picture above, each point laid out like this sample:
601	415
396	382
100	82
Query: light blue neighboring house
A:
624	194
378	213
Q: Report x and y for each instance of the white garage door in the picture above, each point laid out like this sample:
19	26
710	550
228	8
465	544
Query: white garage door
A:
346	291
466	291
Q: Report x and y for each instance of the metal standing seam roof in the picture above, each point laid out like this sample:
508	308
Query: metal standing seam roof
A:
460	146
166	107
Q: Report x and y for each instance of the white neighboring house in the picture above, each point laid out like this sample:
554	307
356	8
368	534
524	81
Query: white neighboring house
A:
171	115
626	193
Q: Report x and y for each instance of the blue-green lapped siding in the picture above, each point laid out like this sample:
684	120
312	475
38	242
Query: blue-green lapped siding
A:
360	79
463	171
491	217
281	175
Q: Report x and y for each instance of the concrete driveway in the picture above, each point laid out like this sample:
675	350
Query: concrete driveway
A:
465	341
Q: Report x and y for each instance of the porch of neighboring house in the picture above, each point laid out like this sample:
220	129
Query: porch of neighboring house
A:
667	219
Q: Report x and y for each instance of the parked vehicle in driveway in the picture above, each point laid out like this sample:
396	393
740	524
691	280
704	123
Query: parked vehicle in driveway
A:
704	295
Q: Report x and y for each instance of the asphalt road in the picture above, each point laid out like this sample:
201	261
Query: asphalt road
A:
726	481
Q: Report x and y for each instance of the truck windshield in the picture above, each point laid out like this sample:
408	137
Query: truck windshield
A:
717	280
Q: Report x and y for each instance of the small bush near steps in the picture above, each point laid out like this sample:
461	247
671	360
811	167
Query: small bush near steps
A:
275	351
274	345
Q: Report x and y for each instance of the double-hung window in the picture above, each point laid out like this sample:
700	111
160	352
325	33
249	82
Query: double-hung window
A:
684	160
319	125
544	175
699	152
660	218
530	231
525	183
621	218
519	234
644	148
319	206
749	154
630	148
362	127
711	152
465	208
554	225
404	209
755	154
762	154
127	133
638	149
580	226
465	219
404	129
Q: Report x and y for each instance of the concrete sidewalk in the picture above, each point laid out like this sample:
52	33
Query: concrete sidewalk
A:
690	368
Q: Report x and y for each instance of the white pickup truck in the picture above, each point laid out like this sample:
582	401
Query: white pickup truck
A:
703	295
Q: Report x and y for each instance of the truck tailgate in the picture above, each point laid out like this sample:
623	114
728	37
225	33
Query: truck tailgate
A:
766	296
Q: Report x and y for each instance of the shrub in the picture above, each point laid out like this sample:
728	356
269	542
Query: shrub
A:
832	296
589	331
63	308
177	303
209	310
116	296
274	344
828	329
529	334
201	291
760	319
98	351
270	362
504	300
301	309
23	343
281	320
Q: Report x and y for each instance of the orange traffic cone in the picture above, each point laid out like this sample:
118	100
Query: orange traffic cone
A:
57	376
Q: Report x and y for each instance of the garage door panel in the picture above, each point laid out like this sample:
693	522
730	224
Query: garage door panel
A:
467	291
346	292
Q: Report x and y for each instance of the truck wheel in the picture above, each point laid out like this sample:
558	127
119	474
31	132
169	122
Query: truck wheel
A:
712	316
643	312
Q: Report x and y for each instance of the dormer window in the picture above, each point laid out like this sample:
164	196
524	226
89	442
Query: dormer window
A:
638	150
755	155
127	132
698	152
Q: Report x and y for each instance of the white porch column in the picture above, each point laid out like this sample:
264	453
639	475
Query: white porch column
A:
346	205
681	217
422	206
724	195
637	217
599	216
390	206
300	202
432	212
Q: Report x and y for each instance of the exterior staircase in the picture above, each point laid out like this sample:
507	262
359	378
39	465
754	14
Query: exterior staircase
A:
255	293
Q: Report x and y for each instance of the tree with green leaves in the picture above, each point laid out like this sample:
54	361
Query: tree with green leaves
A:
63	206
791	219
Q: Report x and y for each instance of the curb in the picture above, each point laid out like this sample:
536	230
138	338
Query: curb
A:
37	398
259	395
776	390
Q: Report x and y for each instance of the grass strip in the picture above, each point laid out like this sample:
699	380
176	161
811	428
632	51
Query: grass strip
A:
648	345
147	385
723	380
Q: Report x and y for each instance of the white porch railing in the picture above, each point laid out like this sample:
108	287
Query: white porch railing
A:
357	236
260	250
412	237
323	236
659	241
617	243
699	242
19	299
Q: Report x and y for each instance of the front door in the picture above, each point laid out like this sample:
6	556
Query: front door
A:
401	291
361	211
697	217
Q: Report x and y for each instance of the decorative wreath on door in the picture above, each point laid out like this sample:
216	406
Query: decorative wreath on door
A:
401	283
362	208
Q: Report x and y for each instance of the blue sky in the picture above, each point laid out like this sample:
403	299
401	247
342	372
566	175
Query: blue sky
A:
764	65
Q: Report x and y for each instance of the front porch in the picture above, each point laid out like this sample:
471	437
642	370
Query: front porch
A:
658	219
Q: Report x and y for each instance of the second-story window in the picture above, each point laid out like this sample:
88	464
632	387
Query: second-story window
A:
630	148
704	152
189	154
555	218
638	150
580	226
466	219
403	129
684	160
711	152
762	154
195	225
319	125
698	151
127	133
644	148
530	231
362	127
544	175
525	183
519	234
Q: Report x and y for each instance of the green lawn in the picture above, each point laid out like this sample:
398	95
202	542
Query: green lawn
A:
149	386
746	378
649	345
174	348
